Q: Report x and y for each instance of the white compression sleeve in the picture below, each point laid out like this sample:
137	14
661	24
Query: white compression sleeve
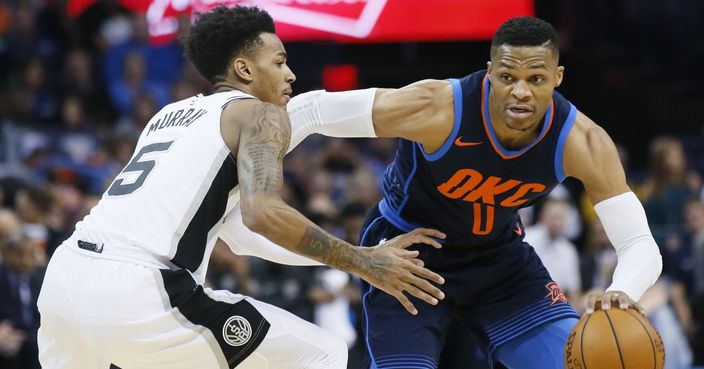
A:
639	260
242	241
334	114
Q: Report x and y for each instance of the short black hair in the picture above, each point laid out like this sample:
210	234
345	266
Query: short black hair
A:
526	31
222	34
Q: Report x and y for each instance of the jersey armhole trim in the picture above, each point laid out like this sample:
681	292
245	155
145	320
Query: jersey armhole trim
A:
222	109
458	101
562	139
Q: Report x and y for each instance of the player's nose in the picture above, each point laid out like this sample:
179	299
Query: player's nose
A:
290	77
521	91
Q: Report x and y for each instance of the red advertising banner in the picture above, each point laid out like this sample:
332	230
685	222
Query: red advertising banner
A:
347	20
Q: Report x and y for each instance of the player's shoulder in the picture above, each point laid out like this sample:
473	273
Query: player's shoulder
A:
250	111
586	133
587	143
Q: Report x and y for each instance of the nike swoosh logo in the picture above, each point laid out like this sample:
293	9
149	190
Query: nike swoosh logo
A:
459	142
518	230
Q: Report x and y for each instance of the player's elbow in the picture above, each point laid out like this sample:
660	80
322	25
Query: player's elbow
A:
657	264
256	216
649	253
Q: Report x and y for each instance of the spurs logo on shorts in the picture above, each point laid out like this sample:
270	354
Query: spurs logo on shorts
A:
236	331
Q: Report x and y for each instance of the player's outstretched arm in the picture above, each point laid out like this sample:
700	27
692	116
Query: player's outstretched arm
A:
590	156
264	134
421	112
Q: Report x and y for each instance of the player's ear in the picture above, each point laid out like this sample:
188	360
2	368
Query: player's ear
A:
560	74
488	70
243	69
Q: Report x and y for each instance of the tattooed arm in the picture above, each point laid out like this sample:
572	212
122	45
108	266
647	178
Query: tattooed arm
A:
264	134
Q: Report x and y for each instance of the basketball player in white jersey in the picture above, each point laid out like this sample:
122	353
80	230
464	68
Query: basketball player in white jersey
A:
126	287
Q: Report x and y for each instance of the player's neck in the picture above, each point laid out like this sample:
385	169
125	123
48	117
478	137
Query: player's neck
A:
222	86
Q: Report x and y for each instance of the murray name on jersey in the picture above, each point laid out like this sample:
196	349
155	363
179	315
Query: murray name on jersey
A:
176	119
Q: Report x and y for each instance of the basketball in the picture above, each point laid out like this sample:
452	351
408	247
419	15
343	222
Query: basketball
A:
614	339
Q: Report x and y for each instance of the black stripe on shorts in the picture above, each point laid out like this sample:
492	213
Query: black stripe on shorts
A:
239	328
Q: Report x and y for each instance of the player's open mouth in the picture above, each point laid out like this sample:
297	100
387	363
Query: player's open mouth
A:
519	112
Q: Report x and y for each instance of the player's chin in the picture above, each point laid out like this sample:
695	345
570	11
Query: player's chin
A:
519	124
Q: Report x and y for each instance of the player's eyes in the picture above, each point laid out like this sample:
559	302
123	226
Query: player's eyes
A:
538	79
506	78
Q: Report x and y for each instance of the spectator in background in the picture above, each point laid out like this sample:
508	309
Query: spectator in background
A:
163	62
598	262
184	89
378	154
143	110
558	254
77	137
351	221
79	79
35	208
664	304
135	82
20	281
670	185
9	224
331	298
694	215
27	37
320	193
30	99
363	188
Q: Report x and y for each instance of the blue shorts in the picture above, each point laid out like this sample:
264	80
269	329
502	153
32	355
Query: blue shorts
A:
499	292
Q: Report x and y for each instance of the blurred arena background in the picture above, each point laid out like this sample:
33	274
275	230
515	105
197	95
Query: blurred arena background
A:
79	79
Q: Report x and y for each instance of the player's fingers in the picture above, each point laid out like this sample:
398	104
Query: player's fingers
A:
430	232
636	306
408	254
623	302
412	239
606	301
428	241
417	262
428	274
406	303
418	293
428	288
591	301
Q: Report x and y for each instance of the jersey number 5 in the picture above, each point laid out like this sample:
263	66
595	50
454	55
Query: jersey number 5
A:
144	167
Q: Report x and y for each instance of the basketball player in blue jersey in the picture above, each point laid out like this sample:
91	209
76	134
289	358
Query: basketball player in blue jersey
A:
472	151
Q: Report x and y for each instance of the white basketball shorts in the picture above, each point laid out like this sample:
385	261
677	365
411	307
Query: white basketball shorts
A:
100	313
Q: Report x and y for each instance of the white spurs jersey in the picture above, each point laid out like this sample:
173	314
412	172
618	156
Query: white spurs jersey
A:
171	198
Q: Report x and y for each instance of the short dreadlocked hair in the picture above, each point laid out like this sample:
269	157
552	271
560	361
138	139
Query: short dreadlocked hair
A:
526	31
222	34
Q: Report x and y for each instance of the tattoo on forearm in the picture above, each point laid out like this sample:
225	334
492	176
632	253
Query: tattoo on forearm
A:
322	247
263	151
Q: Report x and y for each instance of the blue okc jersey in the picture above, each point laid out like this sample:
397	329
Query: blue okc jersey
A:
472	187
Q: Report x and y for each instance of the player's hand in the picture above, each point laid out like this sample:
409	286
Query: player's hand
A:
604	301
395	270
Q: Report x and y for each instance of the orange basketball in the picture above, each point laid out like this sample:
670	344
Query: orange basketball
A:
614	339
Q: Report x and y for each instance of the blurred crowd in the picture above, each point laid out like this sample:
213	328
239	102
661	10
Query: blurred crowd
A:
76	93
